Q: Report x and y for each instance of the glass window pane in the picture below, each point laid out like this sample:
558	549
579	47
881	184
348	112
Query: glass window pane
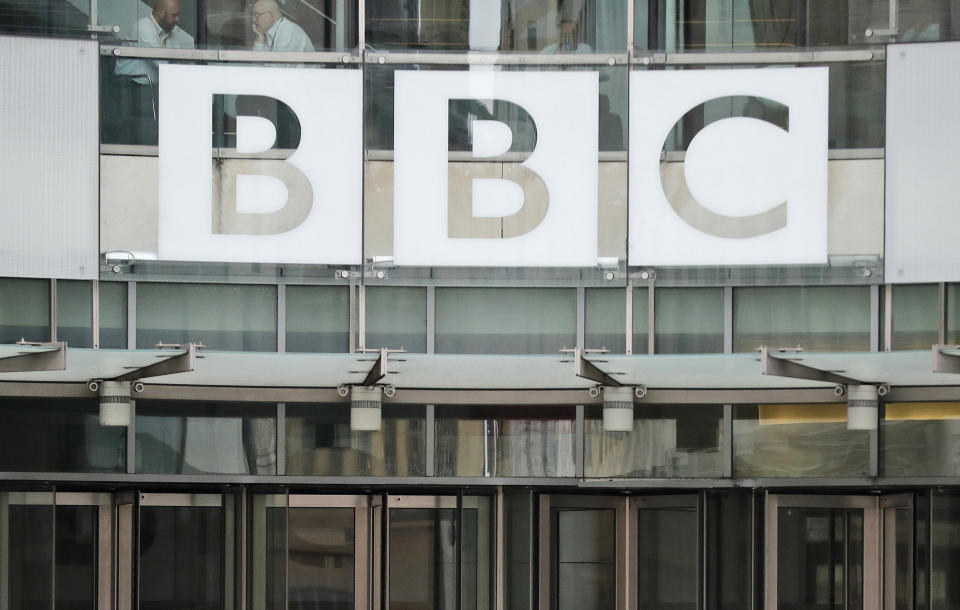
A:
221	316
27	569
665	442
422	559
505	320
320	570
318	318
730	535
586	565
113	315
945	551
58	435
320	442
67	18
641	321
920	439
818	318
688	320
518	540
76	557
206	438
547	26
667	557
75	313
308	25
916	309
797	441
953	313
396	317
605	324
24	310
516	441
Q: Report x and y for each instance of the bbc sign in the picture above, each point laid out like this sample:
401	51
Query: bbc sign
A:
752	189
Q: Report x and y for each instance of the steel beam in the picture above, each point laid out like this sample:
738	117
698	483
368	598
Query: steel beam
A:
785	367
588	370
183	362
53	357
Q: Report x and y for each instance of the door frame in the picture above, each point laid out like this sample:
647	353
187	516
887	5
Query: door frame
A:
872	564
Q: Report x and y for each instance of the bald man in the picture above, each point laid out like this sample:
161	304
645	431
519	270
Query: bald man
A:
274	32
159	29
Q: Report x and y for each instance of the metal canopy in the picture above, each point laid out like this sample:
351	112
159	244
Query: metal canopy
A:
448	371
34	357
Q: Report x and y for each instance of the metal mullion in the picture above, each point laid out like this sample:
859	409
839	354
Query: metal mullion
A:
630	28
131	315
95	312
651	320
361	29
281	432
581	316
281	318
888	318
53	553
431	440
875	318
53	310
361	317
628	346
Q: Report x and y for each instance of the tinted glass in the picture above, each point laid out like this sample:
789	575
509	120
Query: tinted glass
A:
113	315
920	439
688	320
318	318
24	310
916	310
606	319
396	317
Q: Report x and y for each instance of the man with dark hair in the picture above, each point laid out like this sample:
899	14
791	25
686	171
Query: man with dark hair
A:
159	29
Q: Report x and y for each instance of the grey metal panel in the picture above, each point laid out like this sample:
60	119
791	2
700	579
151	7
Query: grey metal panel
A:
922	182
49	139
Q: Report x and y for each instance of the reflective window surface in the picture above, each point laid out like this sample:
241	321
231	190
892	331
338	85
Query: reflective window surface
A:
916	310
75	313
24	310
641	321
921	438
797	440
516	441
505	320
113	315
688	320
953	313
605	319
396	318
206	438
585	568
668	548
319	441
58	435
665	442
318	318
817	318
221	316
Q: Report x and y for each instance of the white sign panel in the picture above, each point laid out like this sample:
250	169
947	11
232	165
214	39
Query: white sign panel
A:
539	212
751	191
49	158
922	162
305	209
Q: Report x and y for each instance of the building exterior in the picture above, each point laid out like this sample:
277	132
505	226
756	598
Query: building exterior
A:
508	305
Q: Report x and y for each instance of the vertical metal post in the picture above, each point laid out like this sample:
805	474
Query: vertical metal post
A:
942	318
875	318
499	555
95	313
131	315
431	319
431	441
281	318
628	347
281	438
651	320
874	447
728	441
581	316
361	30
728	319
361	317
888	318
353	318
459	550
630	33
132	439
53	310
4	550
579	444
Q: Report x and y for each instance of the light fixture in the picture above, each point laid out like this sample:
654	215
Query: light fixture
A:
863	403
365	403
618	408
114	403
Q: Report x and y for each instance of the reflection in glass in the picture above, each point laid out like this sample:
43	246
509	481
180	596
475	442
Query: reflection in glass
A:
921	439
518	538
113	315
548	26
221	316
328	25
396	317
320	442
667	558
206	438
818	318
688	320
585	568
820	559
916	311
318	318
796	441
641	321
423	559
729	548
24	310
27	528
58	435
75	313
945	550
181	557
605	322
76	557
953	313
515	441
505	320
665	442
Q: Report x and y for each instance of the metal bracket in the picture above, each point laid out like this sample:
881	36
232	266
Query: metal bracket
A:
588	370
183	362
379	369
785	367
111	29
54	358
945	362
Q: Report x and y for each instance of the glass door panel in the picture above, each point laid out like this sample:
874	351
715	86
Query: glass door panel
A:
822	552
49	555
181	552
581	549
667	543
898	551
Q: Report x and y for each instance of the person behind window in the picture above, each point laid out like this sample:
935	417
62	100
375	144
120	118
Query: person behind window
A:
159	29
274	32
569	40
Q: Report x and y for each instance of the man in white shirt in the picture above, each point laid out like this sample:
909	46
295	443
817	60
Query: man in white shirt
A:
274	32
159	29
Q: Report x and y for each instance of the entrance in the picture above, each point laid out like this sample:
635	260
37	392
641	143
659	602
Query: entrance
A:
839	552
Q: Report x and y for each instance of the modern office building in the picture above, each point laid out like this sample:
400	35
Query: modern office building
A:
479	305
